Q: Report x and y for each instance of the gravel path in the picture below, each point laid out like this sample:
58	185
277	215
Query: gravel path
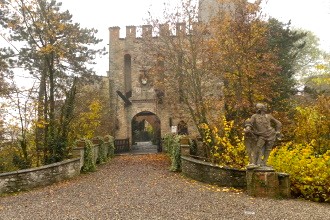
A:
141	187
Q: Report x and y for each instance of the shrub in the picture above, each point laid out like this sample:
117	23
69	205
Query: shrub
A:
225	147
89	165
102	157
309	172
313	124
110	144
6	159
171	143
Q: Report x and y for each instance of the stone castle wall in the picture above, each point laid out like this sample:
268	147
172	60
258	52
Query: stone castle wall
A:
143	96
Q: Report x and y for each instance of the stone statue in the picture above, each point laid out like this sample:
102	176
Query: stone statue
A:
260	136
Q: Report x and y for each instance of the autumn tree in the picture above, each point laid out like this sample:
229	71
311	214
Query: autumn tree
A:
242	57
178	63
91	114
55	51
6	75
21	111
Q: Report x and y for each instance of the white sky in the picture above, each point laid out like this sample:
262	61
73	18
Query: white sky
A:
313	15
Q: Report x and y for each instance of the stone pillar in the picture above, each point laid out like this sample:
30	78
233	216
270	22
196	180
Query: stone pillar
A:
267	183
284	185
96	149
262	183
79	151
184	147
185	150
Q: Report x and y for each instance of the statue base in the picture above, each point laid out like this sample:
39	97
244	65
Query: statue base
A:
265	182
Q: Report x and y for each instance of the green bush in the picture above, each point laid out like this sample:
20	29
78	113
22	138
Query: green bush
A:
309	172
110	144
6	159
171	143
102	157
89	165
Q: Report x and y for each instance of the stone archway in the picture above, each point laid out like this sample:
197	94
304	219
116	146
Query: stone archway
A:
146	127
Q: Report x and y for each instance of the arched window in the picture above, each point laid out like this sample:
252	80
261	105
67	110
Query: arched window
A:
128	72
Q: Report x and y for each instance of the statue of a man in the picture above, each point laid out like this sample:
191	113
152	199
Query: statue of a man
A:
260	136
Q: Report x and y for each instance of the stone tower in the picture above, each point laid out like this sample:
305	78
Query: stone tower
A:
132	97
206	9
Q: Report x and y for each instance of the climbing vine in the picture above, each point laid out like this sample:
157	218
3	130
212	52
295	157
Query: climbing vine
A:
102	157
172	146
110	144
89	164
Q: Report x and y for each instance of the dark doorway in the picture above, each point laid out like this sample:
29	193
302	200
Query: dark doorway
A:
146	128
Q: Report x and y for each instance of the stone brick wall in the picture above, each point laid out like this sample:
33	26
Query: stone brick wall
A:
41	176
209	173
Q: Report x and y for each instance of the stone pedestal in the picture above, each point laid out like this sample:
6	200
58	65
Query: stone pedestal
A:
185	150
284	185
79	152
267	183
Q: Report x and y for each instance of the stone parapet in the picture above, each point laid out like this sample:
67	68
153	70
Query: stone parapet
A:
209	173
27	179
148	30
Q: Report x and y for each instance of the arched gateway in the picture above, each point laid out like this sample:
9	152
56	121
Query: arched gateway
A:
146	127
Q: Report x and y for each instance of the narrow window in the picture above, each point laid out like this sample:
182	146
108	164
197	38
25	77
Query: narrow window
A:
128	73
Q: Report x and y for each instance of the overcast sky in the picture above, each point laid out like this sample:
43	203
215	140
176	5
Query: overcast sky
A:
313	15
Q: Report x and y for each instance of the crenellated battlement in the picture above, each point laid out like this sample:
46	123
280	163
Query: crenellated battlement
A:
147	31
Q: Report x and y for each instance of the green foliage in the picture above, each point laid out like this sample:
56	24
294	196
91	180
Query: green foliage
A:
89	165
171	144
6	159
87	121
110	144
309	172
102	157
225	147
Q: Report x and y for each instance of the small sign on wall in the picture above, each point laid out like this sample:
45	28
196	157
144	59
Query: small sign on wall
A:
174	129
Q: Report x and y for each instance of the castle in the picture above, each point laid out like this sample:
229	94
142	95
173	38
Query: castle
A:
132	97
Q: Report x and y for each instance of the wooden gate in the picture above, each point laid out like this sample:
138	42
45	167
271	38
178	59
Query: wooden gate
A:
122	146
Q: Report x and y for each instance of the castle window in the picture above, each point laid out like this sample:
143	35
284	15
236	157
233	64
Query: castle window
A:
128	72
182	128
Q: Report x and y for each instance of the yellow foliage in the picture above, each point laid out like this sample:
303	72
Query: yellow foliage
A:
225	149
87	121
309	172
313	125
